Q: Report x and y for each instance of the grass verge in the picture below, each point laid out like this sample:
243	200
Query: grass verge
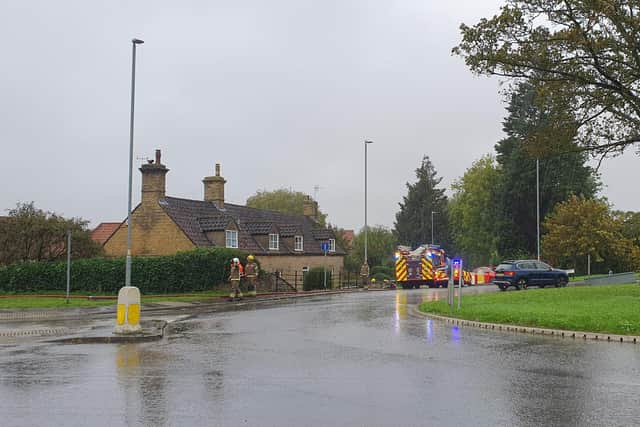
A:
611	309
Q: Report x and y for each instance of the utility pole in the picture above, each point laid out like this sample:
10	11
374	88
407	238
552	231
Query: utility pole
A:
538	206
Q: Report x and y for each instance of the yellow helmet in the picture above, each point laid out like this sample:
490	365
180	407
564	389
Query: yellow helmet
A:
250	258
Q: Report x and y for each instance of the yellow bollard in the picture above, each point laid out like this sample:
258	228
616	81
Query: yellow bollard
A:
128	313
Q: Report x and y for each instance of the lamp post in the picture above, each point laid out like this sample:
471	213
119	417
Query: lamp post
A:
538	206
432	212
134	43
366	143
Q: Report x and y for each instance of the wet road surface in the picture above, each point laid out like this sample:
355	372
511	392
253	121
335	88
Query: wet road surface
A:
348	360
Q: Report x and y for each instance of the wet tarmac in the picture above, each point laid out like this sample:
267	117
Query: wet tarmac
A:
348	360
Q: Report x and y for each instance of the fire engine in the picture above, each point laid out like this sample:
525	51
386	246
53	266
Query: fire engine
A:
425	265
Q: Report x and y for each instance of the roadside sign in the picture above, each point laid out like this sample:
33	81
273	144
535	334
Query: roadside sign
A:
324	246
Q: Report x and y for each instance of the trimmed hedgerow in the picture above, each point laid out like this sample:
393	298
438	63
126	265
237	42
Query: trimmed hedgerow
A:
196	270
314	279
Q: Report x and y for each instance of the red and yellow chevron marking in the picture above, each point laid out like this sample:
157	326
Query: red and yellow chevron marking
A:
466	276
401	269
441	275
427	269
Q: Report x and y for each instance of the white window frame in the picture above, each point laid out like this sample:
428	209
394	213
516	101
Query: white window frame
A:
298	243
274	242
231	238
332	245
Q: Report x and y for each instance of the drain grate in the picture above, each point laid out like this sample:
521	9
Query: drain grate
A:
34	332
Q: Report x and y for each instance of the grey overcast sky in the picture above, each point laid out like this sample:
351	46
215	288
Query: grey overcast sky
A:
282	93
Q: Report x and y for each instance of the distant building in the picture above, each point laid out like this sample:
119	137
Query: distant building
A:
104	231
164	225
348	236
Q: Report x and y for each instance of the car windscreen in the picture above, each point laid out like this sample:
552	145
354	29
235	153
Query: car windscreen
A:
504	266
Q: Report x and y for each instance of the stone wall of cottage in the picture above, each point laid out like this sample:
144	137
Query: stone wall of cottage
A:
289	264
153	233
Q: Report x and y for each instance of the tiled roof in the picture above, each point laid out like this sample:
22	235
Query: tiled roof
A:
289	230
214	223
192	215
322	234
104	231
258	227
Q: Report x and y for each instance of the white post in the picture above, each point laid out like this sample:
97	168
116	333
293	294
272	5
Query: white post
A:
460	283
450	283
325	270
68	263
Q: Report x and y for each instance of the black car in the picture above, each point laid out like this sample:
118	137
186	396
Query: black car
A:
524	273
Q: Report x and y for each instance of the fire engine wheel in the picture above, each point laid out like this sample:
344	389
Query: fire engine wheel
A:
522	284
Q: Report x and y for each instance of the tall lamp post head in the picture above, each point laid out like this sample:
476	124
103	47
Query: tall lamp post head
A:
137	41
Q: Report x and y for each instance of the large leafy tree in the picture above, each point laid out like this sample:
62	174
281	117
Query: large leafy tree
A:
630	225
31	234
560	176
282	200
413	221
472	212
581	227
381	245
583	58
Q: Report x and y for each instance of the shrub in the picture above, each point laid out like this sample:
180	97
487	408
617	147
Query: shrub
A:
381	277
382	269
314	279
196	270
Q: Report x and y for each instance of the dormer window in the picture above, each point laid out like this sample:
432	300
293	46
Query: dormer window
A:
274	242
231	238
332	245
298	243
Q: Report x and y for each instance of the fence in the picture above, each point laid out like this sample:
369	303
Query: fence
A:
287	281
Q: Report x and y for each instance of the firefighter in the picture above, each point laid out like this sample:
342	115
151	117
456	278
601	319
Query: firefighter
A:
234	277
251	274
364	275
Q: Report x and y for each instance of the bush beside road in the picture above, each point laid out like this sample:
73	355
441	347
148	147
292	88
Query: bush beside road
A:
607	309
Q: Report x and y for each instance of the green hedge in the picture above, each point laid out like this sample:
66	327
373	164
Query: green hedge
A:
198	270
314	279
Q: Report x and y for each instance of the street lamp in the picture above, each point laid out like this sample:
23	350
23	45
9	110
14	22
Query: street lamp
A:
432	212
366	143
134	43
538	206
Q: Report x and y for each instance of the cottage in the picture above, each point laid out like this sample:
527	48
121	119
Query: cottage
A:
164	225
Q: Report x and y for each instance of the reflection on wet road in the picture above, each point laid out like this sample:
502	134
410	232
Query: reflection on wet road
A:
352	360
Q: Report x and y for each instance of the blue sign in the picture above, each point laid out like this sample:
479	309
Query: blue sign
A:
456	261
324	246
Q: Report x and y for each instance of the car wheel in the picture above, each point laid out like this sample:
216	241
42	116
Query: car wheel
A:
502	287
522	284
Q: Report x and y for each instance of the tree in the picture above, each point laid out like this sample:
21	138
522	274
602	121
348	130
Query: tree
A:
472	212
581	227
282	200
630	225
381	245
31	234
560	176
582	57
413	221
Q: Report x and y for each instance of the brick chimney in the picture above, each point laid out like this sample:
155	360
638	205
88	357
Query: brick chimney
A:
214	188
310	207
153	181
